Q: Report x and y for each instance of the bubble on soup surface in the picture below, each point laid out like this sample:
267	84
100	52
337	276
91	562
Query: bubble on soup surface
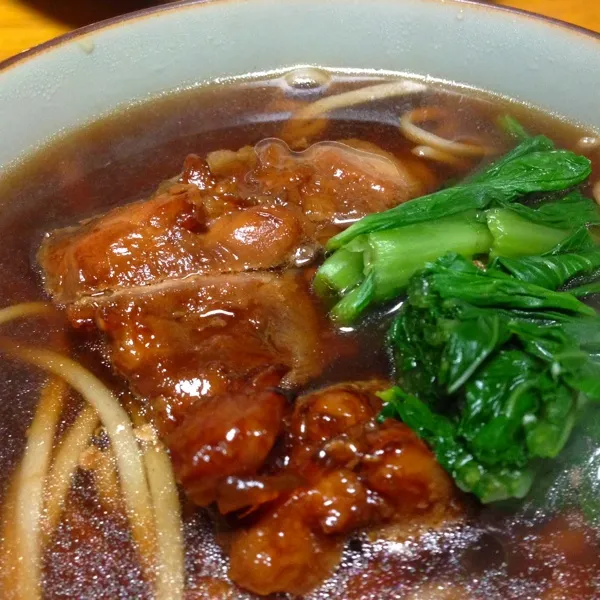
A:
587	143
307	78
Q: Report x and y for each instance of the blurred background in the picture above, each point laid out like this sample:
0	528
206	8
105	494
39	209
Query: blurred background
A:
26	23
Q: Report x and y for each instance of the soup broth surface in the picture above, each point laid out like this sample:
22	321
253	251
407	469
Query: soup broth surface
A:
500	552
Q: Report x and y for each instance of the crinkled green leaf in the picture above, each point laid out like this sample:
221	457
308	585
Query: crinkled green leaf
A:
496	368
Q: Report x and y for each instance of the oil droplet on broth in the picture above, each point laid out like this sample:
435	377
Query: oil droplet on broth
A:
307	78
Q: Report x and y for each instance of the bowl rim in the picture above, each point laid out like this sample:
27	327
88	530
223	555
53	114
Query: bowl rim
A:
151	11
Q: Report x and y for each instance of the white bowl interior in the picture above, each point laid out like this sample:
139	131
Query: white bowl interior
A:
82	78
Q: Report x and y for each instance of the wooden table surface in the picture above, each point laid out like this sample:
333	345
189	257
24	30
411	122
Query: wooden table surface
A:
25	23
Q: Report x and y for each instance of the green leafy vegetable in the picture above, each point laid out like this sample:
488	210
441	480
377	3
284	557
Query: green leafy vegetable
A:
581	240
440	432
512	127
495	365
523	171
393	256
354	303
552	271
538	143
455	279
387	248
573	478
342	271
515	236
570	212
497	368
388	259
587	289
521	230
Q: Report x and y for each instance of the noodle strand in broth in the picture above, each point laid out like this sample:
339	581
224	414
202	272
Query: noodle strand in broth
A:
9	565
440	156
120	432
65	464
372	93
170	564
27	309
170	568
309	121
420	136
23	511
30	487
149	487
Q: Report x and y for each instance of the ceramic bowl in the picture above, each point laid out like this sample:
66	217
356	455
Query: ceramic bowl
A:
84	75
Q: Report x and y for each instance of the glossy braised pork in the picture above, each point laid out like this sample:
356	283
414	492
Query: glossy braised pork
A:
204	310
354	473
256	209
181	341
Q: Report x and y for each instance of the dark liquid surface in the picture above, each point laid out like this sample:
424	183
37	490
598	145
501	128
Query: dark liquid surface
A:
124	158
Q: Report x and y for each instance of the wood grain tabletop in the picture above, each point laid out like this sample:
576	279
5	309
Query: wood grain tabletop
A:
26	23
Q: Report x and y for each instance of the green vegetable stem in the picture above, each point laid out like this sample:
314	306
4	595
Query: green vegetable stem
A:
526	170
375	258
495	362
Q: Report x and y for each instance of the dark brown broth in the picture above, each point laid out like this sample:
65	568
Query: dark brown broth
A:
123	158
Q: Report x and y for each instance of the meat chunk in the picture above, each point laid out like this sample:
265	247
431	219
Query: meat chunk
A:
334	183
282	552
202	311
204	337
206	355
357	473
401	469
297	543
225	436
256	209
165	238
334	411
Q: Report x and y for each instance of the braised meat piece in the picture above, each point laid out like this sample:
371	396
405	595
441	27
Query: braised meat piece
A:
208	357
336	183
227	435
202	337
284	551
165	238
203	310
258	208
357	473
